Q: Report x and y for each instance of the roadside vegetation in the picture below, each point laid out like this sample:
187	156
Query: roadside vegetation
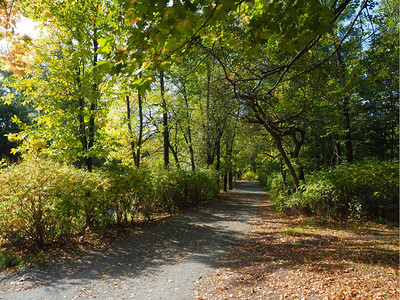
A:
364	190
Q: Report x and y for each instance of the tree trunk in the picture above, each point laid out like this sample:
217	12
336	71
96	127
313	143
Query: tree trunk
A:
289	165
136	149
130	131
83	136
298	141
175	155
140	137
165	121
392	126
218	150
226	181
188	138
210	156
338	154
345	108
283	174
230	180
93	103
229	171
191	150
210	147
348	144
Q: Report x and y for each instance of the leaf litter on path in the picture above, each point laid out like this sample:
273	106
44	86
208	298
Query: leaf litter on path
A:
284	257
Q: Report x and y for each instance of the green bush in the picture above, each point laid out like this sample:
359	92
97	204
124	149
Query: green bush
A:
129	192
370	187
250	176
363	189
8	260
43	200
179	189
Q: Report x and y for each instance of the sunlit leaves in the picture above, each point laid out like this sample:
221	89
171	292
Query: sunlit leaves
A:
105	44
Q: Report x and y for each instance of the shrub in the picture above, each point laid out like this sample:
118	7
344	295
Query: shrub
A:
249	176
370	187
43	200
179	189
364	189
129	192
8	260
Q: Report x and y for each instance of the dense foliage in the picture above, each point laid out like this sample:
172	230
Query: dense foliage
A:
42	200
366	189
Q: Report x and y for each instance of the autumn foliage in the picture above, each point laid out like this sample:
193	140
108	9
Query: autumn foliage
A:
43	201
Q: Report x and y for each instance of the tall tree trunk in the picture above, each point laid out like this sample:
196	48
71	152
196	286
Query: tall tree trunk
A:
393	121
230	167
81	118
218	151
130	131
337	153
230	180
348	144
140	137
298	141
209	140
210	156
345	108
226	180
165	121
283	174
93	102
175	155
188	138
289	165
136	149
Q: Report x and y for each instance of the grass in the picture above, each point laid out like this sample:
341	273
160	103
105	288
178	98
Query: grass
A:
8	260
295	231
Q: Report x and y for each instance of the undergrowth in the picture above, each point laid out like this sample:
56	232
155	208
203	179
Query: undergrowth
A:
43	201
367	189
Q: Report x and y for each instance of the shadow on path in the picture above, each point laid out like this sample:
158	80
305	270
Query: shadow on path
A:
163	261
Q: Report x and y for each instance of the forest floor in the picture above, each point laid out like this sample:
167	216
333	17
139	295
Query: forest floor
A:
283	257
234	248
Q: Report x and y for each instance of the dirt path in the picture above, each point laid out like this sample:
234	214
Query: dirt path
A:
166	260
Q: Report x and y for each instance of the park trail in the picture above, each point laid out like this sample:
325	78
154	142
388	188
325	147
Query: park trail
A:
165	260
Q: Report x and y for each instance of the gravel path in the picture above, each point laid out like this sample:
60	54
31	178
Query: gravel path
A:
164	261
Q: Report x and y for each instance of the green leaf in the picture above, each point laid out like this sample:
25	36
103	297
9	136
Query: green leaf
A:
104	66
105	44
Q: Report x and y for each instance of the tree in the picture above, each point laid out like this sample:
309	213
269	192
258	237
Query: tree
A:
265	58
377	109
11	113
65	81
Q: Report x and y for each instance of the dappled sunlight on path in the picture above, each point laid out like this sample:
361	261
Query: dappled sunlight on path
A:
284	257
162	261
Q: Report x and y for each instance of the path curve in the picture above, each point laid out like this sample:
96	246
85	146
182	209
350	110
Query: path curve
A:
164	261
